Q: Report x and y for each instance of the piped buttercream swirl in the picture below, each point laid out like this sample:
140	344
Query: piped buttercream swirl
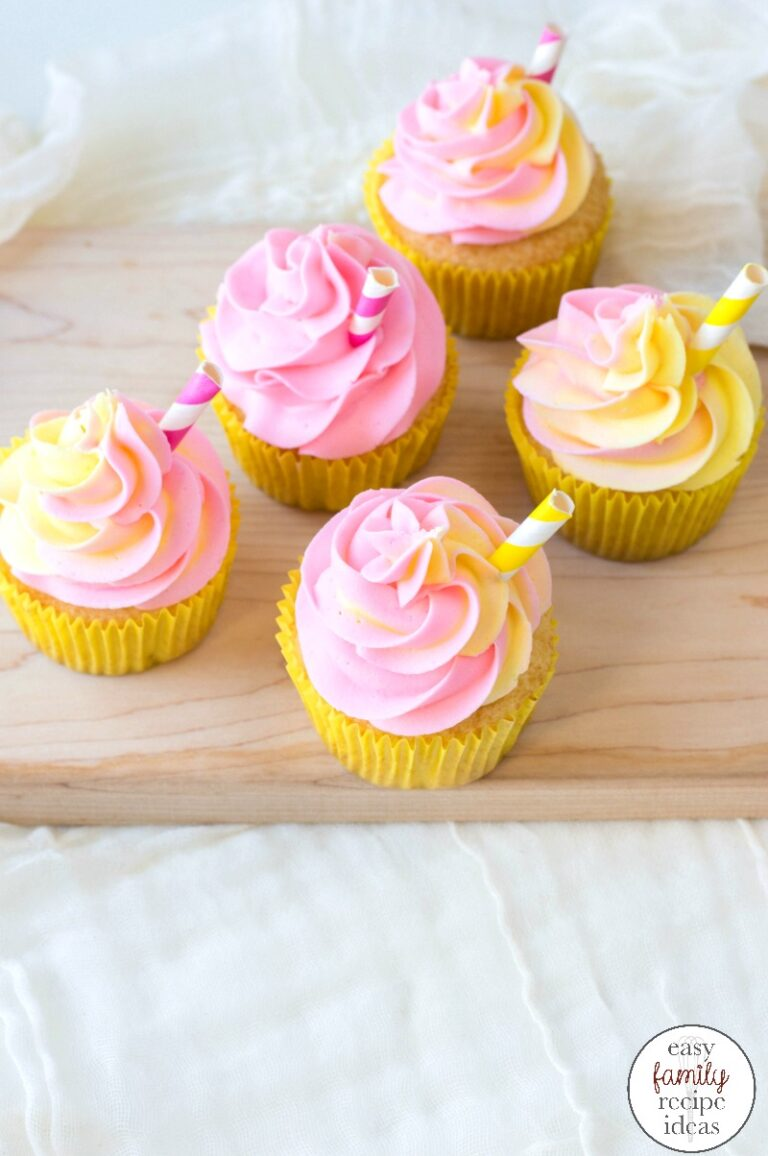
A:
97	512
487	156
280	334
608	392
401	618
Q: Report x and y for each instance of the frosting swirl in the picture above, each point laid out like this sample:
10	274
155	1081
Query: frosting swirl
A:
96	511
401	618
488	155
280	336
607	391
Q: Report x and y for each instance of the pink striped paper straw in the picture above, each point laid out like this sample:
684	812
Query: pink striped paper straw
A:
201	388
547	54
380	284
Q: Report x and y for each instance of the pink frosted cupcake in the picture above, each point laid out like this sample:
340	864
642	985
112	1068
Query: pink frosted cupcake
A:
312	417
490	187
418	660
114	548
617	403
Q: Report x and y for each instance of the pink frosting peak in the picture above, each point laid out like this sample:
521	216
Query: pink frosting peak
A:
96	511
402	620
608	391
280	334
487	156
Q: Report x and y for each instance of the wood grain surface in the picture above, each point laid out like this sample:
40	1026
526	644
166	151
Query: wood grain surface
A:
659	707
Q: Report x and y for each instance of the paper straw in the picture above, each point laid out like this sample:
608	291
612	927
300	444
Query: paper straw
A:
531	534
380	284
202	386
547	54
720	323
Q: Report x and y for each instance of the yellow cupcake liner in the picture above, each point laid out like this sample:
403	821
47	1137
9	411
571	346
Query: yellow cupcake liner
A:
128	644
319	484
618	524
489	303
426	762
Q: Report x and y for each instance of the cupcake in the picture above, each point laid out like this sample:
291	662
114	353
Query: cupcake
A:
325	392
417	659
490	187
114	548
645	408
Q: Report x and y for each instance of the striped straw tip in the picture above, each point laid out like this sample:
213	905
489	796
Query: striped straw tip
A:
562	502
210	369
547	53
757	274
384	276
552	32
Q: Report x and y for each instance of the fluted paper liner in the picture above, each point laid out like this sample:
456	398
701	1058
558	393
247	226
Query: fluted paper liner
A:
618	524
330	484
489	303
131	642
465	753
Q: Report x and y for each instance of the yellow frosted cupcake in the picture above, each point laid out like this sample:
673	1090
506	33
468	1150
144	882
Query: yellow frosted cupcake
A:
114	547
337	373
645	407
490	187
418	659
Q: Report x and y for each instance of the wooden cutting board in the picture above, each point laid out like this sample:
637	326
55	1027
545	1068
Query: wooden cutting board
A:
659	708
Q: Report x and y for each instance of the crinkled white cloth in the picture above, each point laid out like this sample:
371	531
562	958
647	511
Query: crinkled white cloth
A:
33	170
477	990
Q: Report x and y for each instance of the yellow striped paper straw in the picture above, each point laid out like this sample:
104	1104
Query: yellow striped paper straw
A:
737	300
531	534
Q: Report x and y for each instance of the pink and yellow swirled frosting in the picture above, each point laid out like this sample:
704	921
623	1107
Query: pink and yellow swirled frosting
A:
402	620
608	393
96	511
280	337
487	156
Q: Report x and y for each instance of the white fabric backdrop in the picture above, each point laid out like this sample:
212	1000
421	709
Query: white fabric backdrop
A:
476	990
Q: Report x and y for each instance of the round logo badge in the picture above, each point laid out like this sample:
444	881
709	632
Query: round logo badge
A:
691	1088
